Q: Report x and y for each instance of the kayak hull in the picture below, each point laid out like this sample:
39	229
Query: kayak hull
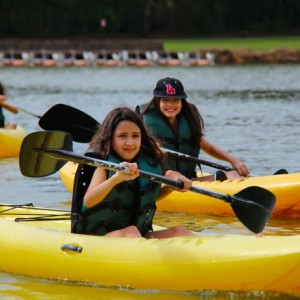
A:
217	262
10	141
285	187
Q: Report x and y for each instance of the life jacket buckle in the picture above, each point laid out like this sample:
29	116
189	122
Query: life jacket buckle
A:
76	218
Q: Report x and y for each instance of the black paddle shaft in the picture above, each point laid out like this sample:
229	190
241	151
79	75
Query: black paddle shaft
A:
44	153
254	217
67	155
82	128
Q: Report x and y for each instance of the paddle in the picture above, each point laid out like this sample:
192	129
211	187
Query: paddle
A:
211	164
10	108
44	153
15	109
66	118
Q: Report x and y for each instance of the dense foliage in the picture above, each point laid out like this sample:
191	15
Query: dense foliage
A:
147	18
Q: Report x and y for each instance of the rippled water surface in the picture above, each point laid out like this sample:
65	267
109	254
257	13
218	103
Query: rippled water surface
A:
251	111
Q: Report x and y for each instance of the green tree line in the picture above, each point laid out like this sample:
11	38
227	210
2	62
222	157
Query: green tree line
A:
147	18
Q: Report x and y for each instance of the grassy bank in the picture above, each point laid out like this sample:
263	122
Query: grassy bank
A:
253	43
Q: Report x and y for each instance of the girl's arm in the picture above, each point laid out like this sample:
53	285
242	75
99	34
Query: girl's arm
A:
218	153
187	183
100	186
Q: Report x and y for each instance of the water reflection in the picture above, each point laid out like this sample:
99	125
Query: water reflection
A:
224	225
22	287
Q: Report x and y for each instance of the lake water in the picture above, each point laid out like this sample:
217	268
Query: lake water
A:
251	111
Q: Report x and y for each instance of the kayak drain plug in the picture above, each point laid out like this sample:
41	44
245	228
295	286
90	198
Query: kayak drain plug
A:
71	247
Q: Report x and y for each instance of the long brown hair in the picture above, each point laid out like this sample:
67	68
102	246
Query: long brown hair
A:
101	141
189	111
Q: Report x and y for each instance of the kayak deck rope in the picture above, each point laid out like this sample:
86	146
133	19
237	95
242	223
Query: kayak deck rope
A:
13	206
37	216
45	218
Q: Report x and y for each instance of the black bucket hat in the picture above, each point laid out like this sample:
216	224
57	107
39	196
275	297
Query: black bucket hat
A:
169	88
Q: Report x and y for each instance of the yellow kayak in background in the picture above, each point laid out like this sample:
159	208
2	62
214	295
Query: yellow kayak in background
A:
285	187
10	141
37	242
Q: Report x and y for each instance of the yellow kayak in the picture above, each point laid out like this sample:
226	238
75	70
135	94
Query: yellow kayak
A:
10	141
37	242
285	187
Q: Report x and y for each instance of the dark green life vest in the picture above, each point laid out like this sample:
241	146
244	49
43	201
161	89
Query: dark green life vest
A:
128	203
180	141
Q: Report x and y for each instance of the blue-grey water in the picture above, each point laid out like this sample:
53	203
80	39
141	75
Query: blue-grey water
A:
251	111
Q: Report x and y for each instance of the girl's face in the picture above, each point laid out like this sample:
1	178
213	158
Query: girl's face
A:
126	140
170	107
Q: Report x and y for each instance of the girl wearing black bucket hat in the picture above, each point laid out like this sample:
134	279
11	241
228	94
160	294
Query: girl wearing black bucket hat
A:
178	126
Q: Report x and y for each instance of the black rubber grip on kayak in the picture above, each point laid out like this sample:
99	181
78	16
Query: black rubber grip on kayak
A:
71	248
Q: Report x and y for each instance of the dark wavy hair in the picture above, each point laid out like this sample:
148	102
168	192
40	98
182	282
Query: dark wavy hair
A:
101	141
191	114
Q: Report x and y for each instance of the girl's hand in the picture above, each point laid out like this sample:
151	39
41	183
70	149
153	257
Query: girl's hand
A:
241	168
131	175
2	98
187	183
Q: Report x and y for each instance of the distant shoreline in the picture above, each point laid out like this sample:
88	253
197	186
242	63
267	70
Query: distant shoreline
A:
226	51
247	56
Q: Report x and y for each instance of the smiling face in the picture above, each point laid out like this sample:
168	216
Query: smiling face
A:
170	107
126	140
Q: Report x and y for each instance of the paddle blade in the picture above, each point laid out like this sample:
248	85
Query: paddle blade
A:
69	119
35	164
253	218
281	172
